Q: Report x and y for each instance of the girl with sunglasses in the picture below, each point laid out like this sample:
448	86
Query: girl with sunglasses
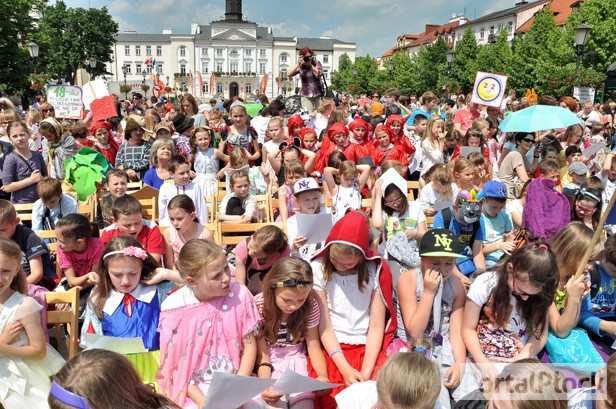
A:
586	206
505	317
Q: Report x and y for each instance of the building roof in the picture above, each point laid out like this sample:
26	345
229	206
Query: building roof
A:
430	35
506	12
562	9
390	52
318	43
143	38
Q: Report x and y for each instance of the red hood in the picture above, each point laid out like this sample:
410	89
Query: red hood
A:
336	129
360	122
293	122
393	118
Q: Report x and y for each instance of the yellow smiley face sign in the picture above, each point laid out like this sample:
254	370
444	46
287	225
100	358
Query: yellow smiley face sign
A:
489	88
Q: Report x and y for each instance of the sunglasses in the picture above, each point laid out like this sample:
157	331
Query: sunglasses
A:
516	292
528	140
48	110
584	210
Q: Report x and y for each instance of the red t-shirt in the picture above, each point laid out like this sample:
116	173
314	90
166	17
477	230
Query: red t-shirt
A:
465	118
150	236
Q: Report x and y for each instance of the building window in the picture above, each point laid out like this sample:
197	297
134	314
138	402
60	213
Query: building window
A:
247	67
182	51
204	52
159	68
138	50
510	27
284	57
138	69
500	28
234	54
491	30
326	59
248	88
148	50
262	68
128	68
218	67
159	50
219	52
481	32
182	69
205	68
248	52
206	88
127	50
262	52
219	88
233	67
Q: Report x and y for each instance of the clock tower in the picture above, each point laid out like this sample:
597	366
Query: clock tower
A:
233	10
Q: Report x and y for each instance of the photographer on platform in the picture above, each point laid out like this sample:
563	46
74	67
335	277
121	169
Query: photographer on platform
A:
310	71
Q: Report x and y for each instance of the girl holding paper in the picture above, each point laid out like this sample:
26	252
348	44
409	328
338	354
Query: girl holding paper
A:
290	331
122	306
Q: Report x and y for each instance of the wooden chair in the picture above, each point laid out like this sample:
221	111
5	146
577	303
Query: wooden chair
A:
132	187
213	227
241	231
263	203
212	209
222	187
24	211
273	205
413	184
148	197
68	317
88	210
53	246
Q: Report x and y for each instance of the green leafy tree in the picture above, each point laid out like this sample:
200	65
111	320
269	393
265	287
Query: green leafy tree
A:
367	71
69	37
430	66
495	58
342	79
464	67
16	27
404	72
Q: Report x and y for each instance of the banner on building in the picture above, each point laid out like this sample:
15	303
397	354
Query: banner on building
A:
489	89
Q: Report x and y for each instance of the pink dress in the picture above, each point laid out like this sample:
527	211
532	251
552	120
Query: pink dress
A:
177	240
199	338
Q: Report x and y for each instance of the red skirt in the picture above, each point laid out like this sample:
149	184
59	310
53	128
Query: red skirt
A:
354	355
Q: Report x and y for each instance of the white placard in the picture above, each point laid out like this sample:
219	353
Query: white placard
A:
315	227
467	150
94	90
584	94
120	345
66	100
489	89
593	149
230	391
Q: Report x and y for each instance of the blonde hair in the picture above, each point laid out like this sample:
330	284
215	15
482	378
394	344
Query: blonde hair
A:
10	249
408	380
433	139
443	178
462	164
348	169
346	251
195	255
400	168
294	167
8	214
569	246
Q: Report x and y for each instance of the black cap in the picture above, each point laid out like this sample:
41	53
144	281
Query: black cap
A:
439	243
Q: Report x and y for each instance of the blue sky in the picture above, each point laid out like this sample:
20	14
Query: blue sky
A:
373	25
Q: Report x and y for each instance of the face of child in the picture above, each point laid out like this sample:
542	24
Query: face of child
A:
292	178
359	133
255	251
576	157
394	200
450	143
125	273
479	169
130	224
520	285
420	127
396	127
383	138
136	135
310	141
296	130
213	282
289	299
49	135
492	207
239	118
437	128
203	140
68	244
7	229
240	187
19	137
9	267
347	180
309	201
577	179
551	155
585	208
340	139
609	268
465	177
611	174
180	219
163	134
554	175
275	131
181	176
485	131
52	203
445	265
102	136
116	185
343	263
290	154
474	141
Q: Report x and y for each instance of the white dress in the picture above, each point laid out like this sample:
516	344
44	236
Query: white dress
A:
24	382
206	168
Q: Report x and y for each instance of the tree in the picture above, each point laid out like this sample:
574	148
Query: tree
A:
464	67
69	37
496	57
16	27
430	66
342	78
404	72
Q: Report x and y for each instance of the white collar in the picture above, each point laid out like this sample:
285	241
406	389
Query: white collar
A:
143	293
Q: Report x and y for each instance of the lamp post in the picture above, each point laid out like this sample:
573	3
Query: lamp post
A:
167	80
91	62
145	93
450	56
581	37
183	87
124	71
390	66
33	49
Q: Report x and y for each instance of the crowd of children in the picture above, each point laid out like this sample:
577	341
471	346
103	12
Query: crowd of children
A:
450	291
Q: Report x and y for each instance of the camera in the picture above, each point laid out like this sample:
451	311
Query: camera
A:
306	58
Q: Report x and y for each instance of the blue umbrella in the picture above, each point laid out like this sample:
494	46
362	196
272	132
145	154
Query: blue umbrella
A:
538	118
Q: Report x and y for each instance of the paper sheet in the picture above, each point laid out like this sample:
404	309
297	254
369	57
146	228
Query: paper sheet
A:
467	150
614	345
593	149
440	205
292	382
315	227
115	344
230	391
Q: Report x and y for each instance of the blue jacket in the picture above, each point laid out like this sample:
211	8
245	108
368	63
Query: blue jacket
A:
602	306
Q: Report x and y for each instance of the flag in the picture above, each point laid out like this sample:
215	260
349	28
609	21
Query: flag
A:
148	62
200	84
190	80
263	85
212	84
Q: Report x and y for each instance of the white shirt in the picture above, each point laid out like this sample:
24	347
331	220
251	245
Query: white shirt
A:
169	190
349	308
428	196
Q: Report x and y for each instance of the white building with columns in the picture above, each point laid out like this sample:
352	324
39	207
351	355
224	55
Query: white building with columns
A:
222	59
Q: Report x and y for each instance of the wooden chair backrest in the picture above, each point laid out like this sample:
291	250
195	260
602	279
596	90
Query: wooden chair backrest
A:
69	317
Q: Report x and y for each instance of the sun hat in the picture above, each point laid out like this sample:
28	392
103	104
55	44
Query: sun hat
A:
182	123
439	243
